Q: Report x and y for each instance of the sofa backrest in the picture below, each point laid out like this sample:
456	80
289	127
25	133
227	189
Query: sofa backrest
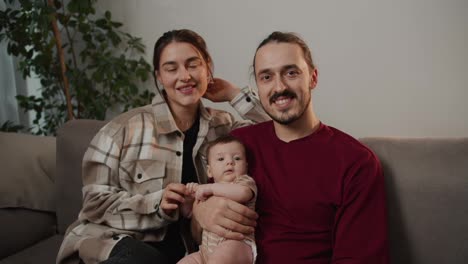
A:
426	184
73	139
27	174
427	197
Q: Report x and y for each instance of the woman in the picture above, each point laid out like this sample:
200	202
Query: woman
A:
135	167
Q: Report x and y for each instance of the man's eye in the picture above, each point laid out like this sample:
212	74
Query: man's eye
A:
292	73
171	69
265	77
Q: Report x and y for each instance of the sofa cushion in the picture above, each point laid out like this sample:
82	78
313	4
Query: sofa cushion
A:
27	163
73	139
42	252
427	190
21	228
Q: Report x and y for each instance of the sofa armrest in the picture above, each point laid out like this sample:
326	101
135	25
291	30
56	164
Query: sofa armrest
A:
426	184
73	139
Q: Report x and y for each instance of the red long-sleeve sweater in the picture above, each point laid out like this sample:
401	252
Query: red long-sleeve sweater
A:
321	199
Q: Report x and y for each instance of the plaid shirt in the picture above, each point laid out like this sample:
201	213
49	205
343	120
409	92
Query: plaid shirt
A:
129	163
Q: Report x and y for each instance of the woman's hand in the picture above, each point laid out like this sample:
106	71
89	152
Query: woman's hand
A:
225	217
172	197
221	90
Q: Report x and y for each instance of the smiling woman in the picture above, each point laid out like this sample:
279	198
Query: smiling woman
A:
136	167
184	74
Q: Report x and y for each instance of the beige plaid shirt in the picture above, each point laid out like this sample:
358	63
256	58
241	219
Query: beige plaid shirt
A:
127	166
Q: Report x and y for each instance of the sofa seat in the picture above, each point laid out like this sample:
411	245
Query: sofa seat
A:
42	252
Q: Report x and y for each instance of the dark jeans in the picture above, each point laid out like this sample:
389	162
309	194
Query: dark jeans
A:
132	251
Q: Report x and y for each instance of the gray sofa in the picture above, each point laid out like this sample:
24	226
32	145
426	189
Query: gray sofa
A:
427	190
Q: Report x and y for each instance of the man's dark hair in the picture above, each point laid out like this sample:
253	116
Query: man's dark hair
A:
287	37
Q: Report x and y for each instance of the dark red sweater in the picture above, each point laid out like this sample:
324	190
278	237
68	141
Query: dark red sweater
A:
321	199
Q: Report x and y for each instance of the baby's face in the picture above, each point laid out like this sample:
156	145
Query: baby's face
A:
226	162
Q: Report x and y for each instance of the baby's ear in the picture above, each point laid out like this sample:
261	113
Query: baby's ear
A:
208	171
210	175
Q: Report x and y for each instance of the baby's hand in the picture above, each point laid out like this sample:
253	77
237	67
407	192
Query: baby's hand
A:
189	196
204	192
191	188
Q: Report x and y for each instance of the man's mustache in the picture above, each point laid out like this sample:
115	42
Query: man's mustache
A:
285	93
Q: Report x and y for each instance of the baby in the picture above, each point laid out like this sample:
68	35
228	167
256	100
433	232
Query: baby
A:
227	166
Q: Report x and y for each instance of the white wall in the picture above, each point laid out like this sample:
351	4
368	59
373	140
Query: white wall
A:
386	68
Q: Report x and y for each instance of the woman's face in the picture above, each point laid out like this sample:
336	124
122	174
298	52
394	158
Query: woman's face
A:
184	74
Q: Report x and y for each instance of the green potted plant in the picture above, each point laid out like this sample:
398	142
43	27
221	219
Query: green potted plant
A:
85	63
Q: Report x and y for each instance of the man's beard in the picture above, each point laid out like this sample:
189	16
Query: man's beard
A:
284	118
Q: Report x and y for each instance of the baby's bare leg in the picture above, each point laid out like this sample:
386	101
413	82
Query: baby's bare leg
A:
231	252
194	258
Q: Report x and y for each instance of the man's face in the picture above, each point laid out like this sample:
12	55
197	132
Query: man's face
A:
284	81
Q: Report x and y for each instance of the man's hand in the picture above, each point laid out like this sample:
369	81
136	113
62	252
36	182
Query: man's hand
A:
172	197
221	90
225	217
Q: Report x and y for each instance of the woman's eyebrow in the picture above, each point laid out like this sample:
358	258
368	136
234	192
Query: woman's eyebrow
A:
169	63
194	58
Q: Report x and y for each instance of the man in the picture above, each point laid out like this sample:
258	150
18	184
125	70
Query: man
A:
321	194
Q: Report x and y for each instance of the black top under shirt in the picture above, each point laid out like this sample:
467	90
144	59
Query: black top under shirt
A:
188	169
188	175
